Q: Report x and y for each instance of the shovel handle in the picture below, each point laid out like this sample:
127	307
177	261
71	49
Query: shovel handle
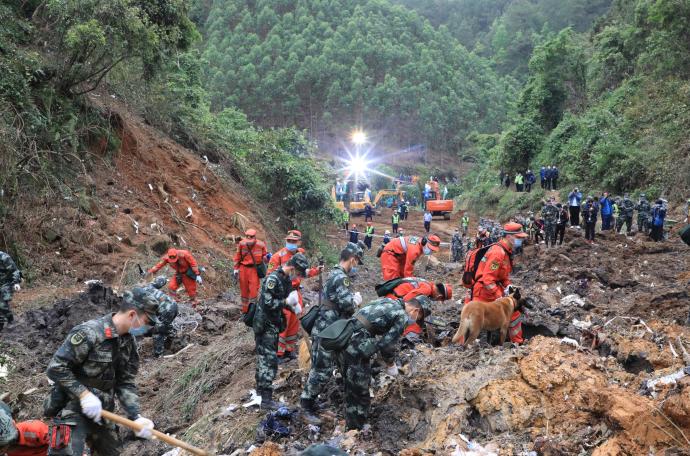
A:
121	420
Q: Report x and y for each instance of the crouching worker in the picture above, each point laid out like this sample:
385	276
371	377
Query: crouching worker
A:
167	312
97	362
27	438
356	340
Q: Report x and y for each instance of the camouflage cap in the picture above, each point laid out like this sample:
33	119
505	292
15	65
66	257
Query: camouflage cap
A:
8	431
159	282
300	262
143	302
425	303
353	250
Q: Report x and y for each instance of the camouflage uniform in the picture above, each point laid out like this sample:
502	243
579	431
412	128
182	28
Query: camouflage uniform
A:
9	277
268	323
456	247
644	212
339	304
167	312
549	214
626	208
93	355
388	319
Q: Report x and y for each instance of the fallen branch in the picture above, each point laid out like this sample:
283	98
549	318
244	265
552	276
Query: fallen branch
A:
673	424
177	353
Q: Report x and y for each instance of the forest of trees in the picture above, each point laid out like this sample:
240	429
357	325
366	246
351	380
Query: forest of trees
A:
329	65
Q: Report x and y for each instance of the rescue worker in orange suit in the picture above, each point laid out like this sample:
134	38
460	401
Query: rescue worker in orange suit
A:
287	340
493	274
251	252
411	287
186	272
400	254
26	438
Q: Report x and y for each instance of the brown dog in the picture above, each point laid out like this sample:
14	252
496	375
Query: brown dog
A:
477	316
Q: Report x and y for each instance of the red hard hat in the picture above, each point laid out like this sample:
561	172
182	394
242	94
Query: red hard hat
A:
250	232
434	242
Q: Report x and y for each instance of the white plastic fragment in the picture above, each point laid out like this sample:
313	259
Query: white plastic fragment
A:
253	400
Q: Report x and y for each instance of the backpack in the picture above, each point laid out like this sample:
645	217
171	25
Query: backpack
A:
387	287
472	260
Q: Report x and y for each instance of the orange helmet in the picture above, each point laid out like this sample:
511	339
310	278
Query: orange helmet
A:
445	289
293	235
172	254
433	242
515	229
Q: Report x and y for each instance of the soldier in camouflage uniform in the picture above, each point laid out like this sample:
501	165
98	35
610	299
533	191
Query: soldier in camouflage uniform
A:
456	246
386	318
644	214
549	214
276	294
167	312
10	278
626	208
97	362
340	302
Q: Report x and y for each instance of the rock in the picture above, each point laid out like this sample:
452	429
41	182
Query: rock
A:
51	235
87	205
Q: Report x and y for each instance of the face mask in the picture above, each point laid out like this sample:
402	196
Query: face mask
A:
141	330
353	270
410	320
518	243
290	246
427	250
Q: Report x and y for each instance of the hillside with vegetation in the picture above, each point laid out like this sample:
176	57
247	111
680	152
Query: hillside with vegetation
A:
609	107
330	66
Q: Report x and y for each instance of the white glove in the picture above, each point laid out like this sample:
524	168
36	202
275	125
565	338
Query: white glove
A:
236	273
357	298
292	299
297	308
199	280
146	427
91	406
17	287
392	370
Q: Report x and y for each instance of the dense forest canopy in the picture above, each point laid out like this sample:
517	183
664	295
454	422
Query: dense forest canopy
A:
328	65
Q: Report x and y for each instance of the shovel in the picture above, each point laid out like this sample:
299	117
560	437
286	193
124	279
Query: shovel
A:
122	421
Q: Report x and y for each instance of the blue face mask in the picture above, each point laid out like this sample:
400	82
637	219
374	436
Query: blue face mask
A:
518	243
427	250
141	330
290	246
353	270
410	320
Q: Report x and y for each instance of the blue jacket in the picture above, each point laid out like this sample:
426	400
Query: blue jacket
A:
606	206
548	173
574	199
530	178
658	215
542	173
554	172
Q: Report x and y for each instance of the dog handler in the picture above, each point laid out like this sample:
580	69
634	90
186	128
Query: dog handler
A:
493	274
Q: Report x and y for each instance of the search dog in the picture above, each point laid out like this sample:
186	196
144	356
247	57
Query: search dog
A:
477	316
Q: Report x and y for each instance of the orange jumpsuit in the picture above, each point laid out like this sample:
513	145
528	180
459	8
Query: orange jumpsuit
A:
410	290
492	278
250	252
182	264
33	439
399	256
287	340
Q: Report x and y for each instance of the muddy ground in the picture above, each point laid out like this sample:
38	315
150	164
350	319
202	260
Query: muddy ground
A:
546	396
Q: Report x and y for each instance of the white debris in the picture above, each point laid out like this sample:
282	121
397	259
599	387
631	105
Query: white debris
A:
173	452
581	324
189	212
254	400
227	411
88	283
668	379
150	187
569	341
572	299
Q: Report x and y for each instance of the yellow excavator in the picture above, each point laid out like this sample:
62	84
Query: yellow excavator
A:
397	195
356	206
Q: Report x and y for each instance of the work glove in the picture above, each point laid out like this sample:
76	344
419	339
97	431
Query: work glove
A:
17	287
236	274
146	428
357	299
199	280
292	300
91	406
392	370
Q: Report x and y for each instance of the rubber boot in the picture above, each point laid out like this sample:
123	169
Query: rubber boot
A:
267	402
309	412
